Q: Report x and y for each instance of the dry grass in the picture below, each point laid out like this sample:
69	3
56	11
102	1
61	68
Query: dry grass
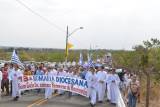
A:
154	94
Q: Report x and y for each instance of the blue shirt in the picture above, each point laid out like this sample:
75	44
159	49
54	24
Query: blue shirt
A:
83	74
39	72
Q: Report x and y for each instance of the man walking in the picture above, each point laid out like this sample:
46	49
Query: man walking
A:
15	75
133	91
5	79
101	76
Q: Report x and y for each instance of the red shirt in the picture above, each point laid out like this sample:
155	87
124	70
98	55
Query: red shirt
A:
5	75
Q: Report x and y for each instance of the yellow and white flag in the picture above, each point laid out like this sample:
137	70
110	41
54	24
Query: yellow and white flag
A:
69	46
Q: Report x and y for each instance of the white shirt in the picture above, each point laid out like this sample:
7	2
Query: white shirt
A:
126	77
16	74
113	77
62	73
54	72
69	74
87	75
10	73
107	77
101	75
92	80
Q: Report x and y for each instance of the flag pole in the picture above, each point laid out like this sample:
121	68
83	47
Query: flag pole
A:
66	51
67	36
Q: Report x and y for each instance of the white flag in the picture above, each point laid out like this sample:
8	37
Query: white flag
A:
15	59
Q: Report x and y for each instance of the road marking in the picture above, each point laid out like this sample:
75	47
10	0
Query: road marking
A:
40	101
54	95
35	102
44	101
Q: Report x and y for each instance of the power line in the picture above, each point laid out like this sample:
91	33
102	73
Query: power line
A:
42	17
45	19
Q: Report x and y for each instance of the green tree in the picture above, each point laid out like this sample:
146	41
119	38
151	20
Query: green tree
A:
148	53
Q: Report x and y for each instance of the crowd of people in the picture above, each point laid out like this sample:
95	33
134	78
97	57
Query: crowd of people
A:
104	84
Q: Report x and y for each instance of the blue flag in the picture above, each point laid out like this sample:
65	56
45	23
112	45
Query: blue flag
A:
80	59
90	61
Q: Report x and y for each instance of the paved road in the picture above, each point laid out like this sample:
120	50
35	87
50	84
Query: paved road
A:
37	100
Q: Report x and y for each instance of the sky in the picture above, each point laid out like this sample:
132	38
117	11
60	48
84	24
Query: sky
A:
108	24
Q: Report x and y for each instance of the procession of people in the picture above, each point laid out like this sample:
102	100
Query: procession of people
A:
103	82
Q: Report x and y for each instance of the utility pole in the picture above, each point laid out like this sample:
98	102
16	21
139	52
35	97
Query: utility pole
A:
67	36
66	51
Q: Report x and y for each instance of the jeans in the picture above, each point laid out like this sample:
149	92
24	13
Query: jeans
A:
132	100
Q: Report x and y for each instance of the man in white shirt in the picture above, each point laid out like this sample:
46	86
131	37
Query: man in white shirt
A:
101	83
108	85
113	82
61	72
49	91
15	78
87	78
92	85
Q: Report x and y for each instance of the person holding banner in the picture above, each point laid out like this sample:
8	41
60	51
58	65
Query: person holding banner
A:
88	74
92	85
48	91
54	72
61	72
27	71
70	74
84	72
16	74
39	71
76	75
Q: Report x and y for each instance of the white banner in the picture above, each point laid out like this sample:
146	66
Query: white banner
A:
71	84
